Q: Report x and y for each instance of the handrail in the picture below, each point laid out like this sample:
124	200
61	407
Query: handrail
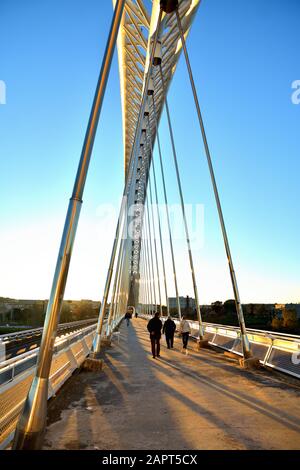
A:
265	333
16	374
58	342
61	326
257	331
278	351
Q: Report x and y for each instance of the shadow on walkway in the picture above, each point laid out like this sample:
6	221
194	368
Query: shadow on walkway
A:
176	402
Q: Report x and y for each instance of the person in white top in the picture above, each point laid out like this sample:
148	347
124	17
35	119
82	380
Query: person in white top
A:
185	331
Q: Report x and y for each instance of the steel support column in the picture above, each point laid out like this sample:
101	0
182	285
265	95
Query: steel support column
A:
31	425
245	342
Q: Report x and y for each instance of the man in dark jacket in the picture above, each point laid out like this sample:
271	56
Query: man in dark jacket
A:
154	327
169	330
127	317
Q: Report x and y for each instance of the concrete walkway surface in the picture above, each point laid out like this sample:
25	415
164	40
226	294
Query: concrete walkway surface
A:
199	401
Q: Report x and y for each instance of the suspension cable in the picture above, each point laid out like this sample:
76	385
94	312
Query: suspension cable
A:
97	341
119	298
147	270
147	302
155	245
158	217
201	331
245	341
118	293
143	265
148	260
142	283
160	234
154	231
110	320
148	252
151	253
167	208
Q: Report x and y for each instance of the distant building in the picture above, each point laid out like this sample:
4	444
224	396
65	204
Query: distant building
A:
185	302
10	307
280	307
7	305
258	309
294	306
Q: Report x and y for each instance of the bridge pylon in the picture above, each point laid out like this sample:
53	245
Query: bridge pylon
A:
133	298
32	421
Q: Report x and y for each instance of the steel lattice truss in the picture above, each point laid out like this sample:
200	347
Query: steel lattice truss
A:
138	26
137	30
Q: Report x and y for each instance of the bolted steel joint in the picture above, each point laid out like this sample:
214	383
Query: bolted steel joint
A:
142	141
150	90
157	54
146	111
144	125
168	6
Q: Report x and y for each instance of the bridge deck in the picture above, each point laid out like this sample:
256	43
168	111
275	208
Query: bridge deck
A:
199	401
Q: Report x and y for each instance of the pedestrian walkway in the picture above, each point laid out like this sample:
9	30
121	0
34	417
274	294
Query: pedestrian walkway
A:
199	401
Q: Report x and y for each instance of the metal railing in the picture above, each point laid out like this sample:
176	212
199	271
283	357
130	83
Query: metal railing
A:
28	340
61	327
279	351
275	350
16	375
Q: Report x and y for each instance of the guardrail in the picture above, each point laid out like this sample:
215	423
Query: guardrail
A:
61	327
276	350
28	340
16	375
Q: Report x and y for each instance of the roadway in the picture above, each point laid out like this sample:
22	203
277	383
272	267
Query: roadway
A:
23	341
200	401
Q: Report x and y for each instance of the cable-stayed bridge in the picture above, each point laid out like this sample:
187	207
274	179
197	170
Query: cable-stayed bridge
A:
150	38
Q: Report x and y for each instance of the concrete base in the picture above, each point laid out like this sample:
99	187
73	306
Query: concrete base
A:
249	363
92	365
31	426
232	355
233	411
202	344
106	342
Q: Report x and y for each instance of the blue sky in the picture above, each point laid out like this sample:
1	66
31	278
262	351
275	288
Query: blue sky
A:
244	57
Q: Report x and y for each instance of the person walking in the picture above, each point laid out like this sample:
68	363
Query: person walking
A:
169	330
154	327
185	331
127	317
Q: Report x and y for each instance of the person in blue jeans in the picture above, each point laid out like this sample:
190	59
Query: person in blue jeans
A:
169	330
128	318
184	330
154	327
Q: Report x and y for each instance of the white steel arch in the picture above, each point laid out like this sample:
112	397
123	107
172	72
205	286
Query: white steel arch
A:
137	29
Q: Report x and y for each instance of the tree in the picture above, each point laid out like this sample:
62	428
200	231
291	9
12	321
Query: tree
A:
229	306
290	320
66	314
261	311
276	323
251	309
217	307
